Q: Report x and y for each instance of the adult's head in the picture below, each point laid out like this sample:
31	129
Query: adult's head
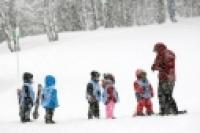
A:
28	77
159	47
95	76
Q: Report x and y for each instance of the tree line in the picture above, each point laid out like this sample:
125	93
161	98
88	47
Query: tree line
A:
20	18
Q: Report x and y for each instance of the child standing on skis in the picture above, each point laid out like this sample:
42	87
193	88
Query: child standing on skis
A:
93	95
49	98
26	97
110	95
143	93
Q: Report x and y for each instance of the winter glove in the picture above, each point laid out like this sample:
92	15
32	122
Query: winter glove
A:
106	103
114	100
153	67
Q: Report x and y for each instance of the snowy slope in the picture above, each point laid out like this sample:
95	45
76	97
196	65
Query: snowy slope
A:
119	51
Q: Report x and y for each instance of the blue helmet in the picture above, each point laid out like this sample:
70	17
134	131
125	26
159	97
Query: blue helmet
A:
50	80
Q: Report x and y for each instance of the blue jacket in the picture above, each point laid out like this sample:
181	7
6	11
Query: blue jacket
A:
49	93
96	90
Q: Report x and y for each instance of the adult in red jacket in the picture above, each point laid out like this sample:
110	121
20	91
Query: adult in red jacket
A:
165	64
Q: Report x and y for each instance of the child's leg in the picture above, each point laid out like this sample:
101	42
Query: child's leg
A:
22	114
46	115
140	106
52	113
96	110
90	111
110	109
49	115
149	106
27	114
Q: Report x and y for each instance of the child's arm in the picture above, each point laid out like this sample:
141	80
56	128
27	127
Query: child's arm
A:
89	93
137	88
157	63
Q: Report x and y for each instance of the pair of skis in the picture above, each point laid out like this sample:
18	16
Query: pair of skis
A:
180	112
37	102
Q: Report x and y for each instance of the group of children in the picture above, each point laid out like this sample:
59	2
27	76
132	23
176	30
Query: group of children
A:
109	96
142	87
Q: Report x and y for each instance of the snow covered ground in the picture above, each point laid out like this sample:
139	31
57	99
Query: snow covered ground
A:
119	51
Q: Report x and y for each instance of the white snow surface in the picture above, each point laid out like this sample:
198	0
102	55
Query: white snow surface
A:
119	51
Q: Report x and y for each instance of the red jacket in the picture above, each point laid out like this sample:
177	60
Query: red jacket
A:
165	64
111	94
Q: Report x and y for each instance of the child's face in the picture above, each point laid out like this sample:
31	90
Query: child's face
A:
96	78
31	81
143	76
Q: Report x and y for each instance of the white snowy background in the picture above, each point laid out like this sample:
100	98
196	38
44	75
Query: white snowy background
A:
119	51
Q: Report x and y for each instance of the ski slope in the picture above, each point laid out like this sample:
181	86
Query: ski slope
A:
119	51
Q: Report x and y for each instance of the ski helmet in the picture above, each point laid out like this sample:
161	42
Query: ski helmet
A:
159	46
109	76
50	80
27	77
139	73
95	75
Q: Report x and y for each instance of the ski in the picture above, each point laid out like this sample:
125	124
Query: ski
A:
182	112
37	102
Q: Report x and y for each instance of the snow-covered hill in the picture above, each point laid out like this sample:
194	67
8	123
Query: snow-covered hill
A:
119	51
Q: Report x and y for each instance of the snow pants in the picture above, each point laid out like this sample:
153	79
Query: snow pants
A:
167	104
49	115
24	113
93	110
110	106
144	103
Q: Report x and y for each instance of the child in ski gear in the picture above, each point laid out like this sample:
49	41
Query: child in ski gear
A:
49	98
93	95
110	95
143	93
165	64
26	97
